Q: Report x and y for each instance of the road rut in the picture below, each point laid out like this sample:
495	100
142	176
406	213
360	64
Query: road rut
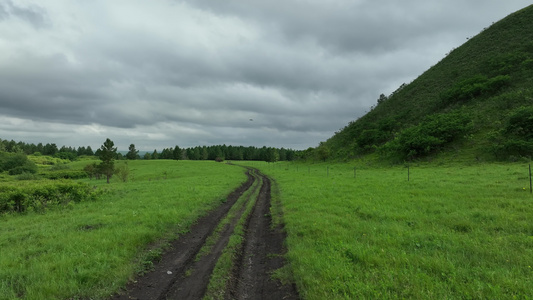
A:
179	275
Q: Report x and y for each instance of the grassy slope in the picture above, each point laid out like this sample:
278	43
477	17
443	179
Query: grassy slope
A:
90	249
451	232
483	54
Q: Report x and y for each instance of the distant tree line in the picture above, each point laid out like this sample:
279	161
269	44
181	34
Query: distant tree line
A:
223	152
50	149
217	152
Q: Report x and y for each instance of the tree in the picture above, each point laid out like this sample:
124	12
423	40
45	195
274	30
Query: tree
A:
16	163
50	149
382	98
166	153
155	155
89	151
107	155
323	151
80	151
132	153
176	153
204	154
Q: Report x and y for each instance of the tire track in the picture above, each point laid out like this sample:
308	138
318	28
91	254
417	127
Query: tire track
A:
262	254
156	284
179	276
194	285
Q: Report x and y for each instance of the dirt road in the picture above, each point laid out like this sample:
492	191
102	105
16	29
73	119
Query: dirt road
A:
180	275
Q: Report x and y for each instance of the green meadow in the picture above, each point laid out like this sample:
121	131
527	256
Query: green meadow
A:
365	233
354	232
90	249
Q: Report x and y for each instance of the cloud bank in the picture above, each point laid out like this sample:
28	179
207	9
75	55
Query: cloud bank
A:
188	73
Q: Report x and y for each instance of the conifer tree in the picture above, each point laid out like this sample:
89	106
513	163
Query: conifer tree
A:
107	154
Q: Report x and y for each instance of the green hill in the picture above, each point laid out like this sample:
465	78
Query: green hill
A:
476	103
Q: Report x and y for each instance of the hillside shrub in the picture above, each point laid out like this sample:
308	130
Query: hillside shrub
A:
370	138
28	176
476	86
520	124
514	148
57	167
41	195
516	138
65	174
28	167
16	163
506	63
429	136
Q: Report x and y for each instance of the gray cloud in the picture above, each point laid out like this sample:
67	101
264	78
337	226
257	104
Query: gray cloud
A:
32	14
191	73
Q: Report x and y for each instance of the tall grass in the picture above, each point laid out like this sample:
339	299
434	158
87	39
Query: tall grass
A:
91	249
448	232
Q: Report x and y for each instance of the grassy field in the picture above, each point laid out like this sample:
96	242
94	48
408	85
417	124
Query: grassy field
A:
89	249
449	232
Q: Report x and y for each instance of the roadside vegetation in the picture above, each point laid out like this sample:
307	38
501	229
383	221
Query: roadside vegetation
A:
90	249
451	231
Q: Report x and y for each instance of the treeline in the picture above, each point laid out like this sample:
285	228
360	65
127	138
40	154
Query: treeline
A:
223	152
218	152
50	149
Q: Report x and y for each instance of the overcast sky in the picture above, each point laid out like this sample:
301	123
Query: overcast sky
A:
207	72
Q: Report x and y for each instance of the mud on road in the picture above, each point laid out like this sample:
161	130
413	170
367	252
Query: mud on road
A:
180	275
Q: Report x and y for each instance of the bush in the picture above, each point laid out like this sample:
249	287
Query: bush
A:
372	137
93	170
515	148
429	136
65	174
57	167
520	124
516	138
9	161
16	164
27	167
40	196
122	171
27	176
476	86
